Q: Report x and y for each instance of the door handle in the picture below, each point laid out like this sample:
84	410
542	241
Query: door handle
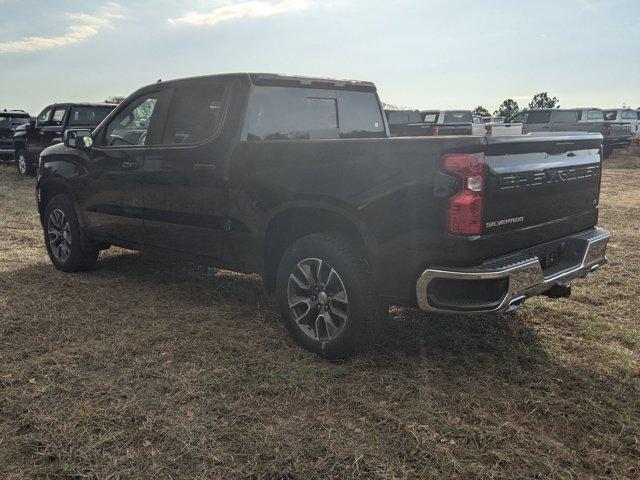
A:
129	165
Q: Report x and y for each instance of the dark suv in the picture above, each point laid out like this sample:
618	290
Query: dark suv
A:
298	180
9	121
48	128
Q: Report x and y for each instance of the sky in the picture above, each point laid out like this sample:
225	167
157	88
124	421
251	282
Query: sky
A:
420	53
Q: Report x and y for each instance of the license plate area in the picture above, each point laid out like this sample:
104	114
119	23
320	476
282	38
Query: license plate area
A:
556	257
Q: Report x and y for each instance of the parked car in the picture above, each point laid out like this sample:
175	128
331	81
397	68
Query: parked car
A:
502	129
575	120
48	128
624	116
478	127
297	179
9	121
429	122
493	119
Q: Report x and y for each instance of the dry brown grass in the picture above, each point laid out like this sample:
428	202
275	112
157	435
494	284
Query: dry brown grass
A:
149	369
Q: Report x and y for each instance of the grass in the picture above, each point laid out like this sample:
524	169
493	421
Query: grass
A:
148	369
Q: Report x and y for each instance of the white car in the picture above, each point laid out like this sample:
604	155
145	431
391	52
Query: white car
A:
477	127
497	127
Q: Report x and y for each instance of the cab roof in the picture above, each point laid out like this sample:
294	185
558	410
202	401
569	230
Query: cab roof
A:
273	79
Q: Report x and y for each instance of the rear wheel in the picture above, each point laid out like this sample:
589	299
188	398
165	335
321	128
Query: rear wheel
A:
63	237
23	163
327	297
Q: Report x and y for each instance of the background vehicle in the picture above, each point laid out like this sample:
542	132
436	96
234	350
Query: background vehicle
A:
429	122
477	128
48	128
297	179
624	116
9	121
575	120
502	129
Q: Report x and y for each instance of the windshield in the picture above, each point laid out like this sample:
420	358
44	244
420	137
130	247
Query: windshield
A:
458	117
11	121
88	115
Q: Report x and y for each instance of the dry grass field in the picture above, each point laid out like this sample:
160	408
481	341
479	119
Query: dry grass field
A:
148	369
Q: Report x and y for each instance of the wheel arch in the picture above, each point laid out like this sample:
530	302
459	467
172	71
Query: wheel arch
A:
48	189
292	222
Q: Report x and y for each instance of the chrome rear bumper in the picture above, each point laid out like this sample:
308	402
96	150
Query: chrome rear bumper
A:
517	277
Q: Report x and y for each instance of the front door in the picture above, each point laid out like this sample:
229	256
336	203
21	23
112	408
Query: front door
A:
50	127
184	188
114	206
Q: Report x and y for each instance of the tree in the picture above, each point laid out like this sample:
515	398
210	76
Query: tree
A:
508	108
114	99
481	112
543	100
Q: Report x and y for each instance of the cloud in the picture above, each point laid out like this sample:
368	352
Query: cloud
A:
240	10
85	26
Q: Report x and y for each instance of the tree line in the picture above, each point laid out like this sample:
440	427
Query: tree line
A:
510	107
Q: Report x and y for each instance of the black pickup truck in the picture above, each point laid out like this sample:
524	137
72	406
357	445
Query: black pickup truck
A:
297	179
9	121
48	128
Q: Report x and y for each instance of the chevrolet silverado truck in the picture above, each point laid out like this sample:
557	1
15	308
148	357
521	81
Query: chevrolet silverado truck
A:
297	179
9	121
48	128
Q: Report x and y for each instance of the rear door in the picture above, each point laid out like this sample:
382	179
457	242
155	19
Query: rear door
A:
114	206
566	121
184	188
538	121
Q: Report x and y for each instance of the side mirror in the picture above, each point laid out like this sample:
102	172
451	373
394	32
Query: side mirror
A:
32	122
78	138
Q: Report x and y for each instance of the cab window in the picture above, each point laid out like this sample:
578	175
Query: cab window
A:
595	115
132	126
58	117
538	117
195	114
45	116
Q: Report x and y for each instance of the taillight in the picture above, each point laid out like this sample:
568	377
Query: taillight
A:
467	206
436	130
606	130
489	129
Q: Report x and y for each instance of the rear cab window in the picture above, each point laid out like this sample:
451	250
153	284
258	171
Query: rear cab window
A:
538	117
458	117
565	117
610	115
403	117
430	117
8	120
292	113
88	115
595	115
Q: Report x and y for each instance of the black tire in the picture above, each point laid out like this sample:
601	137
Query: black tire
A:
23	163
607	151
363	309
78	256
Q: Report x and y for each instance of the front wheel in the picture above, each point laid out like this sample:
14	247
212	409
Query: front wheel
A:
327	297
23	163
63	237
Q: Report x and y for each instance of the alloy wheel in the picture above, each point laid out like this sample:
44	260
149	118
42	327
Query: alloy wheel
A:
59	235
22	164
318	299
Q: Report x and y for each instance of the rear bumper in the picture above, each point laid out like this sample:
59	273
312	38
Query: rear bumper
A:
504	283
618	142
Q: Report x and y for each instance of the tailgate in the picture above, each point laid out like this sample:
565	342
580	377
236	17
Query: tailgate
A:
542	180
620	129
